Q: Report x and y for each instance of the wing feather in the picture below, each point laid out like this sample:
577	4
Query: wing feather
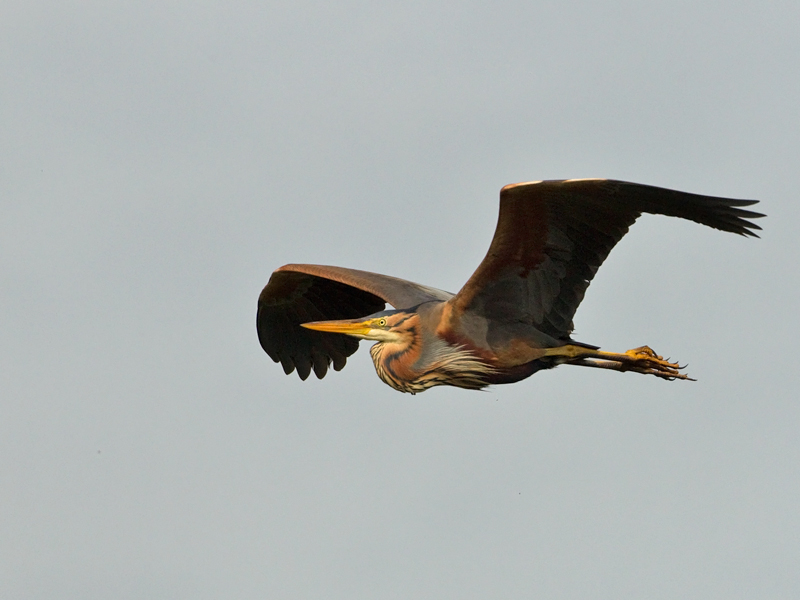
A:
552	236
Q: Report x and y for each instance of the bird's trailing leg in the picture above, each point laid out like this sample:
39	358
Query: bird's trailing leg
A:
638	360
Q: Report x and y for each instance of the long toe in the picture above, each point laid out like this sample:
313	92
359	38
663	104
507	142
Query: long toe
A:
645	360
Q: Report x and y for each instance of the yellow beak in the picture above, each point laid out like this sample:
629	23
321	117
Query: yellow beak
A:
349	327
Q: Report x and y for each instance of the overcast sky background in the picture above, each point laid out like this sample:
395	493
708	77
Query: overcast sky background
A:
159	159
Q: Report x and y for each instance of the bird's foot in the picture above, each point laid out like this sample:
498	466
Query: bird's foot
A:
645	360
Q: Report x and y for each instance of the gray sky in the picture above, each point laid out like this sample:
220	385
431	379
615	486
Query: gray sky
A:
159	160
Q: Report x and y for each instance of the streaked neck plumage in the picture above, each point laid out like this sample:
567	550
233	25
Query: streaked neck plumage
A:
414	361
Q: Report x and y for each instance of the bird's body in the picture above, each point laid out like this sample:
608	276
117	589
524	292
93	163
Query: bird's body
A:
512	318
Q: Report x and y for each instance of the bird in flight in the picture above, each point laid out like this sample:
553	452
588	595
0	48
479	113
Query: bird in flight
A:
512	318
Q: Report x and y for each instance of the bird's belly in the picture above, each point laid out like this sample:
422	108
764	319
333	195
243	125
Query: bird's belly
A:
518	372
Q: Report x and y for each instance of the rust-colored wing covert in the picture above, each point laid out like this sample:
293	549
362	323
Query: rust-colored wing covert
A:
302	293
552	236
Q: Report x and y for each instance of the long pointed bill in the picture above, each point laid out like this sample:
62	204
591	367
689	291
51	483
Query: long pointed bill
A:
350	327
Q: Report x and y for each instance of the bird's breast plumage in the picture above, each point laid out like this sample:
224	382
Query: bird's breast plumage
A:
407	370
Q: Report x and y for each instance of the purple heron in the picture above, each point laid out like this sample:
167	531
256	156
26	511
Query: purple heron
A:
512	318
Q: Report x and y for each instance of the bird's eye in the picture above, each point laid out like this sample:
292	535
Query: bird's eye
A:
382	322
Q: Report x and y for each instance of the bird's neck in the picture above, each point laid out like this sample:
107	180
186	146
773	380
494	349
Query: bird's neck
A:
425	363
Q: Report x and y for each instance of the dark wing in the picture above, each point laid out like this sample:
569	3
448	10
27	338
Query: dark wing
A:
552	236
302	293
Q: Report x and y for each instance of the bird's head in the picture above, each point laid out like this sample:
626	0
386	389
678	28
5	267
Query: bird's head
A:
389	326
399	344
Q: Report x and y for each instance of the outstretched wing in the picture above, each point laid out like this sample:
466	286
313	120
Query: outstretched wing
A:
552	236
302	293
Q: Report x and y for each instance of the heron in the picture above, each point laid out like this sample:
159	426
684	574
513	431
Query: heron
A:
511	319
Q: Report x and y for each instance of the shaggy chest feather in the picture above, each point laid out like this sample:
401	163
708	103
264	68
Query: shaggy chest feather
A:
412	369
